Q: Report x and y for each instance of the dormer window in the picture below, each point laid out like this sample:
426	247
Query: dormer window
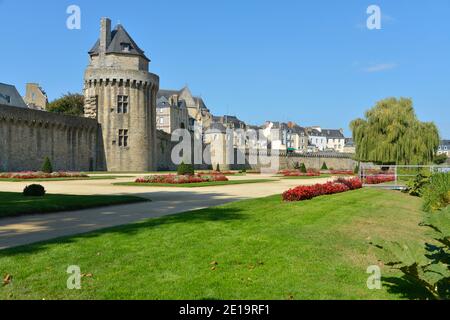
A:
126	47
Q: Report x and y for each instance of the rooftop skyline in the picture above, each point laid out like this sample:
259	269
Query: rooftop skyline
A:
311	65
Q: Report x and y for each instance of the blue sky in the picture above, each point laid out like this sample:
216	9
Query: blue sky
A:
312	62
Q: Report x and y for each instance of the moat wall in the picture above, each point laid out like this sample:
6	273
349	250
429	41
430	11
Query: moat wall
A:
28	136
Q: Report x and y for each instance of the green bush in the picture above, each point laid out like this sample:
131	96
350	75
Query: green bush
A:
425	267
440	159
217	168
185	169
416	186
436	194
356	171
34	190
297	166
324	166
47	166
303	168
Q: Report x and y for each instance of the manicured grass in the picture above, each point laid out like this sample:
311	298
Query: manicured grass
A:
193	185
12	203
63	179
254	249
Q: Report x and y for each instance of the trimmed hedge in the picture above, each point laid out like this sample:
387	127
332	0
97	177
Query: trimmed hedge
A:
34	190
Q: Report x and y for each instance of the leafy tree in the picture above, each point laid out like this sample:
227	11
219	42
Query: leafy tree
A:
47	166
324	166
70	104
392	134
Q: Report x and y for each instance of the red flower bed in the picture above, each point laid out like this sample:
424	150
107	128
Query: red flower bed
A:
309	192
352	184
176	179
381	178
40	175
342	172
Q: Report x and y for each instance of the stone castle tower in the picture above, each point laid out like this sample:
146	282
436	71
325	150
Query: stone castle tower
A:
120	93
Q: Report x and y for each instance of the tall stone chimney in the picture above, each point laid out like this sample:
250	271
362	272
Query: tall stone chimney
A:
105	35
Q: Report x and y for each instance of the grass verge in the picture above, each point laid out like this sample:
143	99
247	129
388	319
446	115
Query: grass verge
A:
14	204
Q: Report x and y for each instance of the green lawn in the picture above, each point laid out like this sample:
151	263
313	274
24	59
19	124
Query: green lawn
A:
193	185
12	203
63	179
254	249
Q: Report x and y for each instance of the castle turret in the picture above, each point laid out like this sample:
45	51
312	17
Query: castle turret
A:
120	93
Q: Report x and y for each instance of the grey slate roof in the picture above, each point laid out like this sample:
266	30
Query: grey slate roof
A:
119	36
218	127
445	143
168	93
333	133
10	96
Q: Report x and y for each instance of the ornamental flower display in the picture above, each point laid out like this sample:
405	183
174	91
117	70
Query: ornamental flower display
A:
25	175
381	178
309	192
181	179
342	172
297	173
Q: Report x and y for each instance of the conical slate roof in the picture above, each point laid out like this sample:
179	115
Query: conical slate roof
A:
119	38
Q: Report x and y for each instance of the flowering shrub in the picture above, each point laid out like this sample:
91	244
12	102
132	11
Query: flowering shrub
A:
228	173
177	179
297	173
377	179
352	184
308	192
342	172
40	175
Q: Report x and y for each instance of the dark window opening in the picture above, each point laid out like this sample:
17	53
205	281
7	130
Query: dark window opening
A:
122	104
123	137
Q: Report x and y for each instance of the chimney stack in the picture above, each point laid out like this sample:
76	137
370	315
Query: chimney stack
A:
105	35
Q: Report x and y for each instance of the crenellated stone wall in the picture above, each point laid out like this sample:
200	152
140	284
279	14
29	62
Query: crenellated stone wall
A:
28	136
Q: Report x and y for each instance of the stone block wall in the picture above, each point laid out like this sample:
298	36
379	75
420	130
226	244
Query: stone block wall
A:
28	136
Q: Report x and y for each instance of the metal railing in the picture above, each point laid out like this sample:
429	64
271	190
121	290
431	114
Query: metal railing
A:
395	176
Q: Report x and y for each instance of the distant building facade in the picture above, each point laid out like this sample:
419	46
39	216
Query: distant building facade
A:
444	148
171	114
317	139
335	139
9	96
35	97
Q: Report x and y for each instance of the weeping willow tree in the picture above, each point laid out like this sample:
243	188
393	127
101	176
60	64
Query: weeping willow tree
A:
392	134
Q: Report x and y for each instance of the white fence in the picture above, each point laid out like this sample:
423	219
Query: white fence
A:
395	176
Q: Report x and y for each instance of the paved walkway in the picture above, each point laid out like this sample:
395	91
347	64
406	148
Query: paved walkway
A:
27	229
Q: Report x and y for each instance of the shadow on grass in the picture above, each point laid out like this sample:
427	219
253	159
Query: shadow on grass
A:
213	214
406	288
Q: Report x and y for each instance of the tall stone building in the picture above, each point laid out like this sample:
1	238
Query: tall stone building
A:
120	93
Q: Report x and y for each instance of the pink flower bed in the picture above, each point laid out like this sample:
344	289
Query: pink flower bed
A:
176	179
40	175
229	173
381	178
309	192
